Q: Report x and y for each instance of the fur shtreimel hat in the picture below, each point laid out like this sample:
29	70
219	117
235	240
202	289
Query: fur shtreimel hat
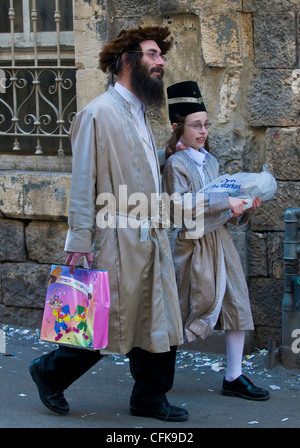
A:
127	38
184	98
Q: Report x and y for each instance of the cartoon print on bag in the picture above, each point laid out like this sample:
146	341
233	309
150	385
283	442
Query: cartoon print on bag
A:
62	313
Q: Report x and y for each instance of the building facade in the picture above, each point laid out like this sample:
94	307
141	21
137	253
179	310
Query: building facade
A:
245	56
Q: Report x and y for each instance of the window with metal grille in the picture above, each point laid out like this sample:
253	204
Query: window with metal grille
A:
37	76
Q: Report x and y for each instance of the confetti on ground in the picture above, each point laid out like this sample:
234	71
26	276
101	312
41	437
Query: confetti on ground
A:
87	415
247	363
202	363
217	367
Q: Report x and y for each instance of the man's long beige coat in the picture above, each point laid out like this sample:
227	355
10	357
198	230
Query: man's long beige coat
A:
199	262
108	153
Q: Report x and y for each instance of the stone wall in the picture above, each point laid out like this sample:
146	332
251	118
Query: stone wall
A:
33	228
245	56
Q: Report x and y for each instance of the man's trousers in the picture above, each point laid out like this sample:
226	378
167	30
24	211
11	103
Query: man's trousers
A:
153	373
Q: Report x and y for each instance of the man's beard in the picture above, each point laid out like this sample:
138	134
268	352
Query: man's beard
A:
149	90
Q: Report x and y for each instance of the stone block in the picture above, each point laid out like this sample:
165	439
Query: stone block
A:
94	32
24	284
221	39
84	79
45	241
274	39
12	240
269	217
254	155
228	148
269	5
266	295
283	152
34	195
272	101
257	254
138	8
21	317
87	9
263	334
186	48
168	6
228	96
34	163
275	255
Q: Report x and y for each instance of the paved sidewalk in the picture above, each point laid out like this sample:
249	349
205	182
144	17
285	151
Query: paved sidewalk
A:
100	398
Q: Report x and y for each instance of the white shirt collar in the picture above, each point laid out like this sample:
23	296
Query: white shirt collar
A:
197	156
129	96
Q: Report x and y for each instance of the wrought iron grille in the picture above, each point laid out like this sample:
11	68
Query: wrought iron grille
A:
37	101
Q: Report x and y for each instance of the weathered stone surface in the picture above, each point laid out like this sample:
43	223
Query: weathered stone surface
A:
93	30
270	215
296	79
228	96
222	43
213	5
21	317
174	72
138	8
272	101
254	155
85	78
274	39
283	152
24	284
34	195
35	163
87	9
266	296
45	241
269	5
91	33
263	334
257	254
12	240
275	255
228	149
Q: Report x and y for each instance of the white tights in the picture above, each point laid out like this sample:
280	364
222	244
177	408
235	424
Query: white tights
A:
234	341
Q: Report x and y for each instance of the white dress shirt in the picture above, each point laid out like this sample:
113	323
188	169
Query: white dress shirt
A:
138	113
199	158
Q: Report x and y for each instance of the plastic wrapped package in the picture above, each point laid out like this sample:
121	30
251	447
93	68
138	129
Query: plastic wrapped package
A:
245	185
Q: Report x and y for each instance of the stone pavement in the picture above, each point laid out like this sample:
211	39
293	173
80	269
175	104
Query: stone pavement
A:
100	398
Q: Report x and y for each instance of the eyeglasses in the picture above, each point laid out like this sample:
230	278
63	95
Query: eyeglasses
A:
151	53
199	126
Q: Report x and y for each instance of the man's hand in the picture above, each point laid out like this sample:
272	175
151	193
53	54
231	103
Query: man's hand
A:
73	257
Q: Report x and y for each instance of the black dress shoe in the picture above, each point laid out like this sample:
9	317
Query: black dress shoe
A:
164	411
243	387
54	400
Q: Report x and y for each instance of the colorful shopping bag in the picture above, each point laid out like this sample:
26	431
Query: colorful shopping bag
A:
76	309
